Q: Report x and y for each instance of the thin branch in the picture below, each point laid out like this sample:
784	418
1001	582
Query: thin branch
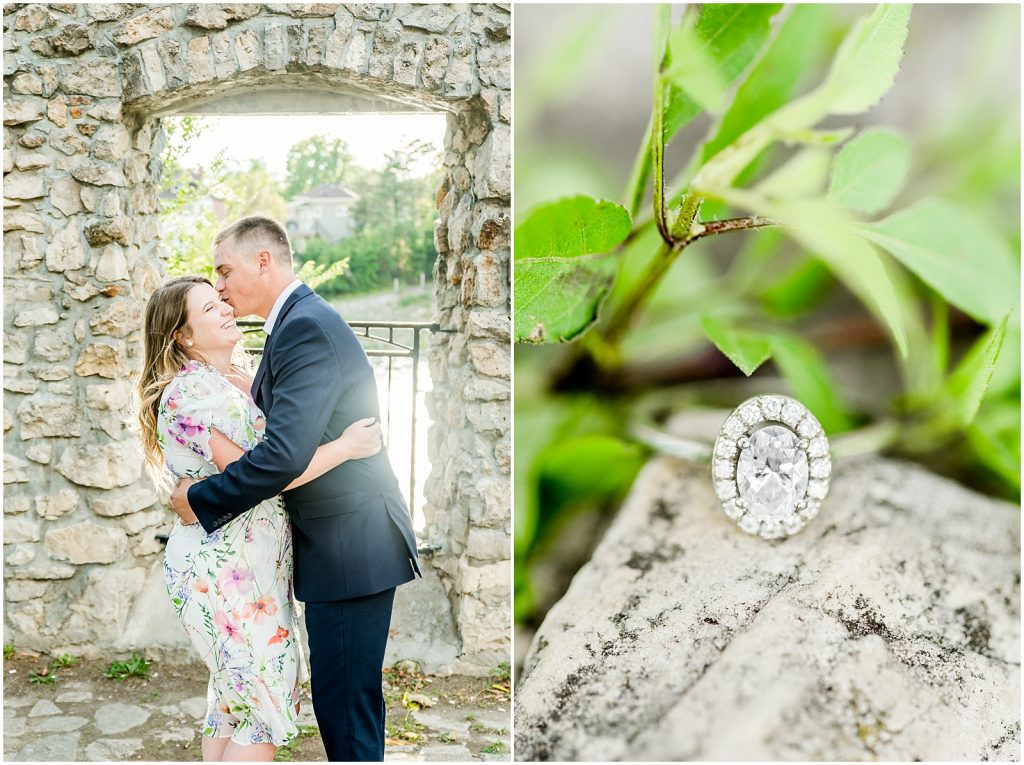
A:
711	228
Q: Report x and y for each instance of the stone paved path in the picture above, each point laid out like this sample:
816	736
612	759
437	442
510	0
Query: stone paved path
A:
84	716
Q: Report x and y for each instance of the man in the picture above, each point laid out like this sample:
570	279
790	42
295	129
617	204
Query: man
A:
353	537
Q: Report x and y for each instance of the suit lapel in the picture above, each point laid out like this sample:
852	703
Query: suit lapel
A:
261	372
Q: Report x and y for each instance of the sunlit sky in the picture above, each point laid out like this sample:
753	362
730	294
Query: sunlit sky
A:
268	138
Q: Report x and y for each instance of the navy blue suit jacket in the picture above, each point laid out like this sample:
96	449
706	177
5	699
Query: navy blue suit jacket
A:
352	530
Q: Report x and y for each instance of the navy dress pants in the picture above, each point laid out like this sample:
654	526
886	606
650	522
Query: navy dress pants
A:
347	640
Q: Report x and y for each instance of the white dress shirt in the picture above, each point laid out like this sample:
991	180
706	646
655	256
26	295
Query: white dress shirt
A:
268	326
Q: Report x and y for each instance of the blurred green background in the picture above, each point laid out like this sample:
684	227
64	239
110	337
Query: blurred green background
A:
583	83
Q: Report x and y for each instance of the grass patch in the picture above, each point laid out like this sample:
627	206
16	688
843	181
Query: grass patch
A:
63	661
42	677
405	728
496	748
137	666
8	652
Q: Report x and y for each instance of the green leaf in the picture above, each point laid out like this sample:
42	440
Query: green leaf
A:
798	45
969	381
827	233
804	175
868	60
692	68
593	467
747	350
796	290
995	440
955	253
570	227
870	171
557	298
732	35
805	370
872	49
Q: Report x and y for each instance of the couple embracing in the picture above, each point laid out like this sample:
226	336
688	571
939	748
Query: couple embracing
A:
281	483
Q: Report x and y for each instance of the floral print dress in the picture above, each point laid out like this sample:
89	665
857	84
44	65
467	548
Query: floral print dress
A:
232	589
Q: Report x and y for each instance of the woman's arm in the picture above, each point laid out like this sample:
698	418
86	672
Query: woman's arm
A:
360	439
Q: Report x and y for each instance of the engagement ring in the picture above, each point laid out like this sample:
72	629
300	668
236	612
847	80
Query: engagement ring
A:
770	464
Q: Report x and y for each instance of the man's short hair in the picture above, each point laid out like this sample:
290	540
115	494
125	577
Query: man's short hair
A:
259	232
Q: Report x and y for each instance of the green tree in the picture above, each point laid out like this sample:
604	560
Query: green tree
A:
198	203
316	161
394	224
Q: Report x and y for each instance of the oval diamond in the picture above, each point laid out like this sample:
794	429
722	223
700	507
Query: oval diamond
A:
771	475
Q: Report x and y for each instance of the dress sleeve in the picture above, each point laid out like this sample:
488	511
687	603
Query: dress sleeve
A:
200	402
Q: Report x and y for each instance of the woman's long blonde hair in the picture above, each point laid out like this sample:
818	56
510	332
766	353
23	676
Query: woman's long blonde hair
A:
166	319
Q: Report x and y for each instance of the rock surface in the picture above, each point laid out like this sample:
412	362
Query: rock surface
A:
888	629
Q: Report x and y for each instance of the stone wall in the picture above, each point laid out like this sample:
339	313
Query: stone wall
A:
84	88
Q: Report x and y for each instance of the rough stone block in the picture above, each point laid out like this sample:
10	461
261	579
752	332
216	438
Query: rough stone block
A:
371	11
118	318
47	415
460	80
145	26
124	502
15	468
109	11
102	466
247	48
101	359
407	62
39	452
494	64
99	232
92	78
98	173
275	47
217	16
435	62
18	111
385	41
493	170
27	84
883	630
112	265
37	316
316	45
31	161
21	529
357	53
53	344
65	195
334	47
65	252
72	39
198	63
50	506
434	17
19	185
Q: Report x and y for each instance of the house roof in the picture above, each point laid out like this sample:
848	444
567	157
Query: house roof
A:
330	191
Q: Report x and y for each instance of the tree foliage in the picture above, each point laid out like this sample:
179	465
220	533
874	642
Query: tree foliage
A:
393	232
316	161
611	298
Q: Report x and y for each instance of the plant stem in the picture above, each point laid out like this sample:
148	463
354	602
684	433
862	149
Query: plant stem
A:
623	317
701	230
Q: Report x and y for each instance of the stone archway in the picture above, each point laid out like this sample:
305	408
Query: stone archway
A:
85	86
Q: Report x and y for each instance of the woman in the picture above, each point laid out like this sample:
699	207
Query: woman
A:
231	589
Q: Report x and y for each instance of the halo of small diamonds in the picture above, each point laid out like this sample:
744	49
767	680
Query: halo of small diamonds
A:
771	466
